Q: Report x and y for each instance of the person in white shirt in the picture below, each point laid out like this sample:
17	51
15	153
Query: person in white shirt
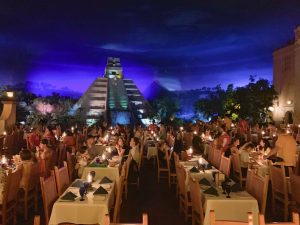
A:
134	151
244	156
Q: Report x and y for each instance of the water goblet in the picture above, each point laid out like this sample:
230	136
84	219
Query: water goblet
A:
228	190
82	192
86	186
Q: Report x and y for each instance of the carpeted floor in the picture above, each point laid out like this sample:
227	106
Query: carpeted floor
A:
157	200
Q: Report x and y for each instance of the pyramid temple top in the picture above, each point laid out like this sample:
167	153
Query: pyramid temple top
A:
113	68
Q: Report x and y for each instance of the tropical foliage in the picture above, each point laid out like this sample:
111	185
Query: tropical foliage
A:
251	101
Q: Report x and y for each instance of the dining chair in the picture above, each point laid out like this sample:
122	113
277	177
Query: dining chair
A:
197	204
37	220
10	196
145	221
295	189
176	159
127	162
248	184
225	165
213	220
279	189
297	168
163	169
183	156
217	158
172	174
62	178
61	154
210	156
185	203
258	188
294	222
118	202
49	195
71	161
237	171
29	187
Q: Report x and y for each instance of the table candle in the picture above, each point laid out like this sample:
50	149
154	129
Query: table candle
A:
3	160
190	150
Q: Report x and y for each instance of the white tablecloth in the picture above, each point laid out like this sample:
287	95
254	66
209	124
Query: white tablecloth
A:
235	208
110	172
89	211
151	152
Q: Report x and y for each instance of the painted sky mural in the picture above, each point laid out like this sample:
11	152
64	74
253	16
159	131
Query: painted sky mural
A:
63	45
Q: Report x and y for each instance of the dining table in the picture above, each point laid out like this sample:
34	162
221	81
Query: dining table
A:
235	208
103	169
91	210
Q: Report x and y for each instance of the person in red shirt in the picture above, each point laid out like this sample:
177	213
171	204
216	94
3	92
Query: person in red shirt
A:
34	139
224	139
69	139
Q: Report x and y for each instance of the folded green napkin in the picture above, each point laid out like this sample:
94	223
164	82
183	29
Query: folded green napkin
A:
100	191
105	180
211	191
77	183
208	166
236	187
69	196
194	170
204	181
94	164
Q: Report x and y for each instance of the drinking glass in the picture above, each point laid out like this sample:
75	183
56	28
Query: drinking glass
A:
224	184
228	190
82	192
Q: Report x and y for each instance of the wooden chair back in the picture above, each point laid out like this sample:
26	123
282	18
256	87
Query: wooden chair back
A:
279	189
217	158
213	220
258	188
10	195
237	171
210	156
278	180
197	204
62	178
37	220
11	187
176	158
141	150
295	188
145	221
71	166
117	208
183	156
181	177
225	165
61	154
297	168
294	222
33	180
49	194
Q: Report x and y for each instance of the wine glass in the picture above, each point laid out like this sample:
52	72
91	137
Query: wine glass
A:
86	186
224	184
82	192
228	190
97	160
